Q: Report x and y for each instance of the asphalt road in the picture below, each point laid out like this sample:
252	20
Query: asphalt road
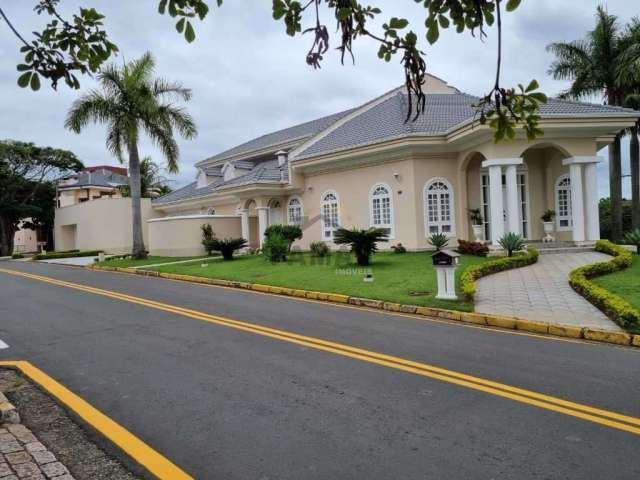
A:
228	404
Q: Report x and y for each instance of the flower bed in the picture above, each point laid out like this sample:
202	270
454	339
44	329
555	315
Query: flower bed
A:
612	305
476	272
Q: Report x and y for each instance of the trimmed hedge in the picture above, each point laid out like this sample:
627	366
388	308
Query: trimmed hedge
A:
501	264
613	306
55	255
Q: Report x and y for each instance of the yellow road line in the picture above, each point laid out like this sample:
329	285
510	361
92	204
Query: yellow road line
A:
585	412
139	451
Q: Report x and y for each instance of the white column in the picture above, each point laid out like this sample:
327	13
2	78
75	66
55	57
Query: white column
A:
495	203
577	201
263	221
244	223
592	214
513	201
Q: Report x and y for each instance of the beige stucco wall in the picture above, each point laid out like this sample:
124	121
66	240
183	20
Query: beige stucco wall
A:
25	240
99	224
67	198
182	236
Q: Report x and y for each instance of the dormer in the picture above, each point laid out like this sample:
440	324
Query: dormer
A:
228	171
202	179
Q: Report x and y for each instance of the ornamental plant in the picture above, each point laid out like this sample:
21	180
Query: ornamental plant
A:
512	242
276	248
548	216
319	249
228	246
290	233
439	241
363	242
475	215
633	238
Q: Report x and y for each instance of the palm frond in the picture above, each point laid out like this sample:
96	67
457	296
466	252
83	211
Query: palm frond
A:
91	107
164	88
163	138
179	119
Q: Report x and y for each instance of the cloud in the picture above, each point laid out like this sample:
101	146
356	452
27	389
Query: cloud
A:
249	78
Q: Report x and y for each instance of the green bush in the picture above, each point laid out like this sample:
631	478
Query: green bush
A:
207	238
319	249
70	254
16	256
439	240
228	246
473	273
363	242
275	248
615	307
511	242
290	233
478	249
399	248
633	238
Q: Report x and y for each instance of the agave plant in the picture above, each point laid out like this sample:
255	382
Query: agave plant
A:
439	240
363	242
633	238
228	246
511	242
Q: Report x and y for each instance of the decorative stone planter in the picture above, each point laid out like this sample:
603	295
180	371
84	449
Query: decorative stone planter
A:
548	232
478	232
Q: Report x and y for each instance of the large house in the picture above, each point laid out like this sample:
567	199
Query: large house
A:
368	167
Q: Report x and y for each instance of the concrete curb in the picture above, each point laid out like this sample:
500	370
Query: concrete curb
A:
510	323
8	413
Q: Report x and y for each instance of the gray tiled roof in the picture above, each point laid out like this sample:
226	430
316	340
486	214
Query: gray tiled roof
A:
98	178
304	130
443	112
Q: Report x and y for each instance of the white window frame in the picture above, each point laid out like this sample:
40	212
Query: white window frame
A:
452	208
323	202
389	225
301	206
569	217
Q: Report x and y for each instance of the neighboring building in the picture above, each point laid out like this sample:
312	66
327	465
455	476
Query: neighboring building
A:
92	212
27	240
368	167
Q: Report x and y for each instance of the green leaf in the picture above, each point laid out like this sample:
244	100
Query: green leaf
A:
512	5
533	85
444	21
23	80
180	25
433	33
189	34
35	82
23	68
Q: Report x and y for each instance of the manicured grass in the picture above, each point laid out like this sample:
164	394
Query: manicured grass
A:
139	263
625	283
396	276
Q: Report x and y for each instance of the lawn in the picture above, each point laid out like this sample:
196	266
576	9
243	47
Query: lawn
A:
400	278
128	262
625	283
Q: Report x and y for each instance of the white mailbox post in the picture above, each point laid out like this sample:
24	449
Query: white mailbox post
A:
445	263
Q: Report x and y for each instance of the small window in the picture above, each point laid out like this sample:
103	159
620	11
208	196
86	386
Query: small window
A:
294	211
564	216
381	205
211	211
330	212
438	205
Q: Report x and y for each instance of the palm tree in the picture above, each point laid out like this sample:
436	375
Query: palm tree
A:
633	101
593	66
152	183
131	102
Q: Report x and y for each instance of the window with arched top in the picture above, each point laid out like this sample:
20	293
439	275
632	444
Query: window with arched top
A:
294	211
330	213
439	207
381	208
563	203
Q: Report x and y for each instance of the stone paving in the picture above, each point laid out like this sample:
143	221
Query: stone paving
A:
23	457
542	292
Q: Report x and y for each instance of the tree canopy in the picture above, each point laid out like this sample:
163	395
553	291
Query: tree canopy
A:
27	185
81	45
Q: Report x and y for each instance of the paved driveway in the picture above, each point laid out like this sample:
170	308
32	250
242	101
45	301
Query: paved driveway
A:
542	292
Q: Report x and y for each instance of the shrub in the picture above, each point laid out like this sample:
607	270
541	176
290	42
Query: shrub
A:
478	249
548	216
16	256
72	254
207	238
633	238
319	249
399	248
275	248
439	240
475	272
512	242
228	246
363	242
475	215
615	307
290	233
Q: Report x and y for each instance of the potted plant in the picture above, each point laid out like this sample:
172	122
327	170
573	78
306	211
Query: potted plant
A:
547	222
477	222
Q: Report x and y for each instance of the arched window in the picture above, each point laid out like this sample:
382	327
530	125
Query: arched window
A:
330	212
563	203
294	211
381	208
439	207
211	211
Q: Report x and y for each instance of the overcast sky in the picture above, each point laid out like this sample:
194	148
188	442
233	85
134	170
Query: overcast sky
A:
249	78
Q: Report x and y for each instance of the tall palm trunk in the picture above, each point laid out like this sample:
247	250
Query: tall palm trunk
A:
139	250
635	177
615	187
